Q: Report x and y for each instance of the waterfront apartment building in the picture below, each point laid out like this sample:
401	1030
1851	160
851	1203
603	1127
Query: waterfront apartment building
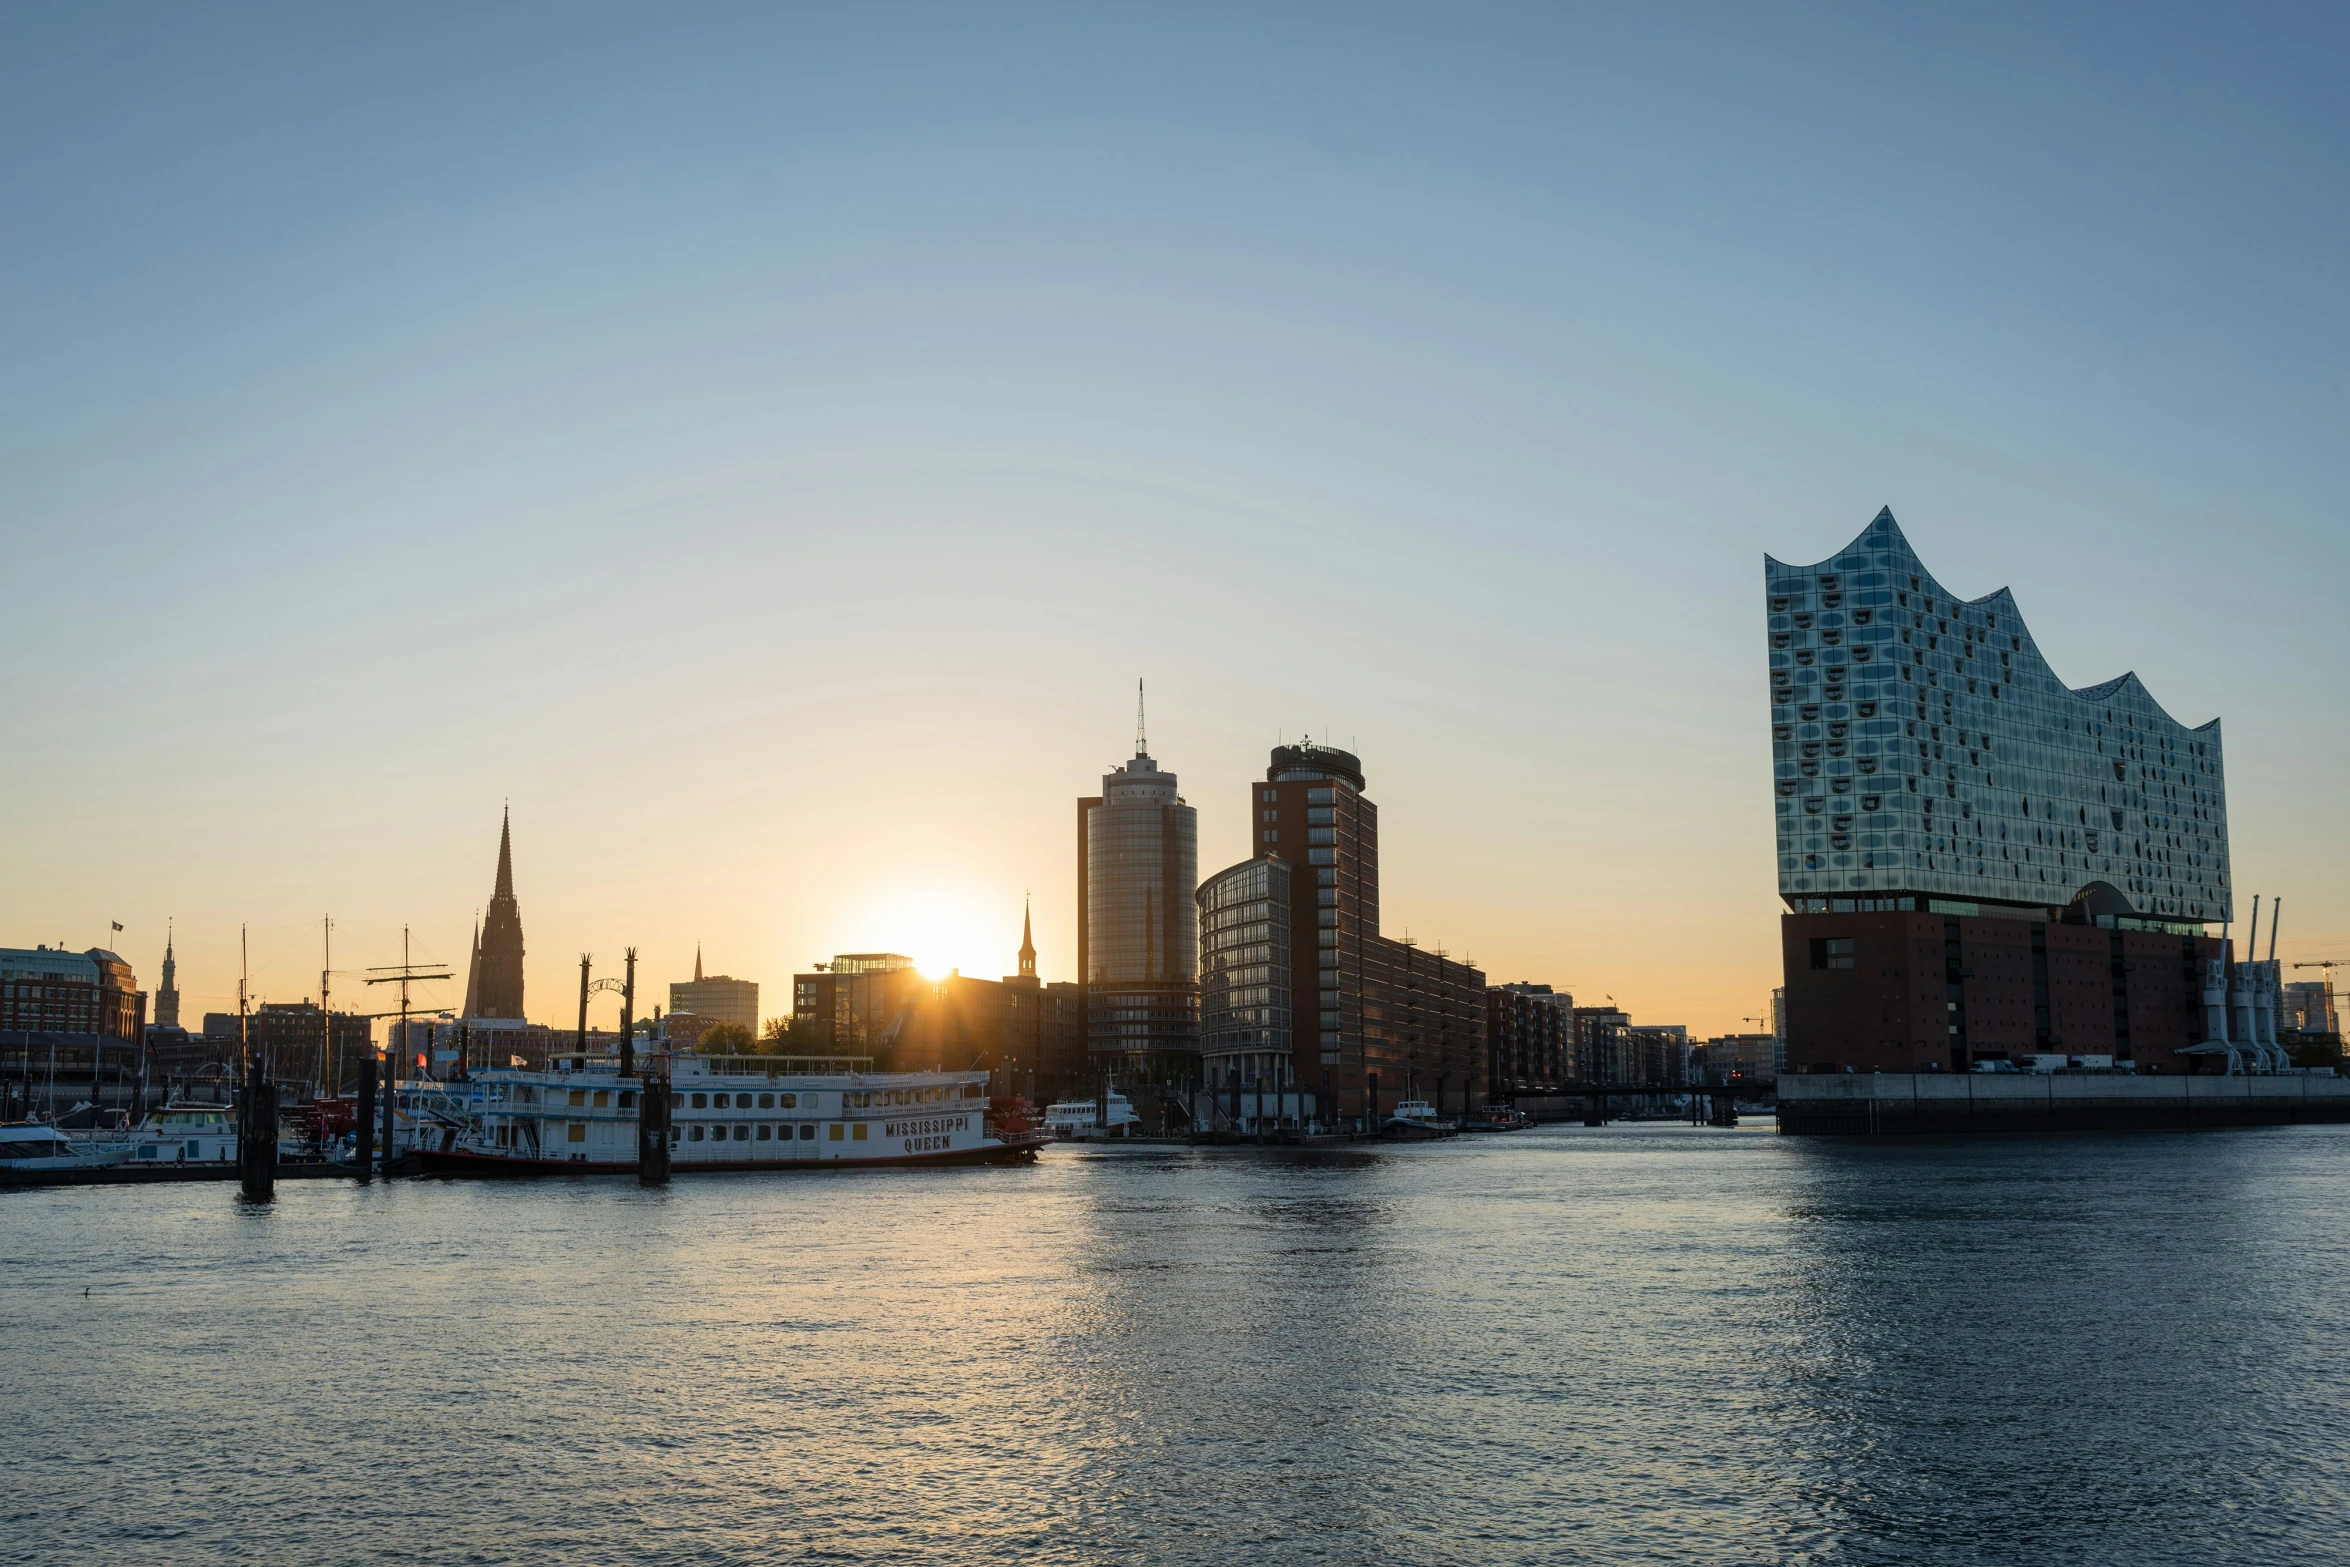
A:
1137	925
719	998
1529	1037
1247	1012
1371	1020
853	1006
52	991
1030	1034
1979	863
1735	1057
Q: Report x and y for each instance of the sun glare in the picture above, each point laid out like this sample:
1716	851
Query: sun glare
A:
943	936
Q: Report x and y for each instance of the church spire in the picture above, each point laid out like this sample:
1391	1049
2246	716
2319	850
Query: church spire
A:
498	944
697	963
473	970
1027	945
505	887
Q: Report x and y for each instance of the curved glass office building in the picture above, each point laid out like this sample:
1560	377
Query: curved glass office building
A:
1980	863
1920	744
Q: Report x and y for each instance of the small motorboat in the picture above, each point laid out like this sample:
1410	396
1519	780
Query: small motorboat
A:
1497	1118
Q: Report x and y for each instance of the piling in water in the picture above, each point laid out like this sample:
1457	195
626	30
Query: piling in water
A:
652	1132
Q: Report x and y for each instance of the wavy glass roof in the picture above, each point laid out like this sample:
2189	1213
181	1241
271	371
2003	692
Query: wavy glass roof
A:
1920	745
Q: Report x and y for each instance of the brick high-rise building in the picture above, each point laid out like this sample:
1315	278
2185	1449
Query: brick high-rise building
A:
1370	1020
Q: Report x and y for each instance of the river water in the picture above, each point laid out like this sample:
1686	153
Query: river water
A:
1633	1344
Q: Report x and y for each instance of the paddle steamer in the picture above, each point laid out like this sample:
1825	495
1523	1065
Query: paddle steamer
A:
580	1116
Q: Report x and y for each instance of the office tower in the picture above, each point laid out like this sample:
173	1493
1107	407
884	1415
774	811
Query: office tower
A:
167	995
1979	862
717	999
1138	947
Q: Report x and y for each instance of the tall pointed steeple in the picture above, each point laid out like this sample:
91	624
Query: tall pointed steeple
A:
505	888
1027	945
473	969
167	997
697	963
497	964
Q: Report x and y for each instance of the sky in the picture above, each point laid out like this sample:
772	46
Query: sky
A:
765	445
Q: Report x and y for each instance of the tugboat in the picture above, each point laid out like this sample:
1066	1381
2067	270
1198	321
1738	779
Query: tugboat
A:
1415	1121
1497	1118
579	1117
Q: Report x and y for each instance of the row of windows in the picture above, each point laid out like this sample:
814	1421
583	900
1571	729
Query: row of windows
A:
765	1132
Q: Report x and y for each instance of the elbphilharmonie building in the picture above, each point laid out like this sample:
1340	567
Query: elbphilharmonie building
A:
1921	745
1979	862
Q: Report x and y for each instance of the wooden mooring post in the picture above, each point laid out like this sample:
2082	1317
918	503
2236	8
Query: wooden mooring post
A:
364	1128
257	1135
652	1132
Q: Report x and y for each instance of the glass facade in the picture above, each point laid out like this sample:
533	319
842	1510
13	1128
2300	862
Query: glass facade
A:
1244	942
1920	745
1142	929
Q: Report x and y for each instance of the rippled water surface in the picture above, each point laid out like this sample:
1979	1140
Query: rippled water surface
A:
1625	1345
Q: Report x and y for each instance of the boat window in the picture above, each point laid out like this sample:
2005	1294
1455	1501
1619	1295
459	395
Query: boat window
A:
579	1131
603	1098
788	1101
627	1099
807	1131
766	1101
718	1100
860	1133
579	1096
742	1134
766	1134
701	1101
834	1132
694	1133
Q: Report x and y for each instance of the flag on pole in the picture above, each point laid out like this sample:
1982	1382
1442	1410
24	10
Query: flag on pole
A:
118	926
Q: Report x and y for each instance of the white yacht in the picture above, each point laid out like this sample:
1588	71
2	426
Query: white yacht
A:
181	1133
1067	1119
32	1145
580	1116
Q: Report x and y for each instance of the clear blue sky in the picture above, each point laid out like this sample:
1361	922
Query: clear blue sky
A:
766	445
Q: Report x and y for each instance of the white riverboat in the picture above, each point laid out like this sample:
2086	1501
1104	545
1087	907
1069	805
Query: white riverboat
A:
1069	1119
580	1117
182	1133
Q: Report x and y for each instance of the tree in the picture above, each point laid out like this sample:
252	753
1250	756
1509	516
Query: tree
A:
725	1039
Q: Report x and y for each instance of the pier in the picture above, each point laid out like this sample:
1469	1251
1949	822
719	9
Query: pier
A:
1888	1103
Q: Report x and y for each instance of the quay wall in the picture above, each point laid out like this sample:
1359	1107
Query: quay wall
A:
1885	1103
